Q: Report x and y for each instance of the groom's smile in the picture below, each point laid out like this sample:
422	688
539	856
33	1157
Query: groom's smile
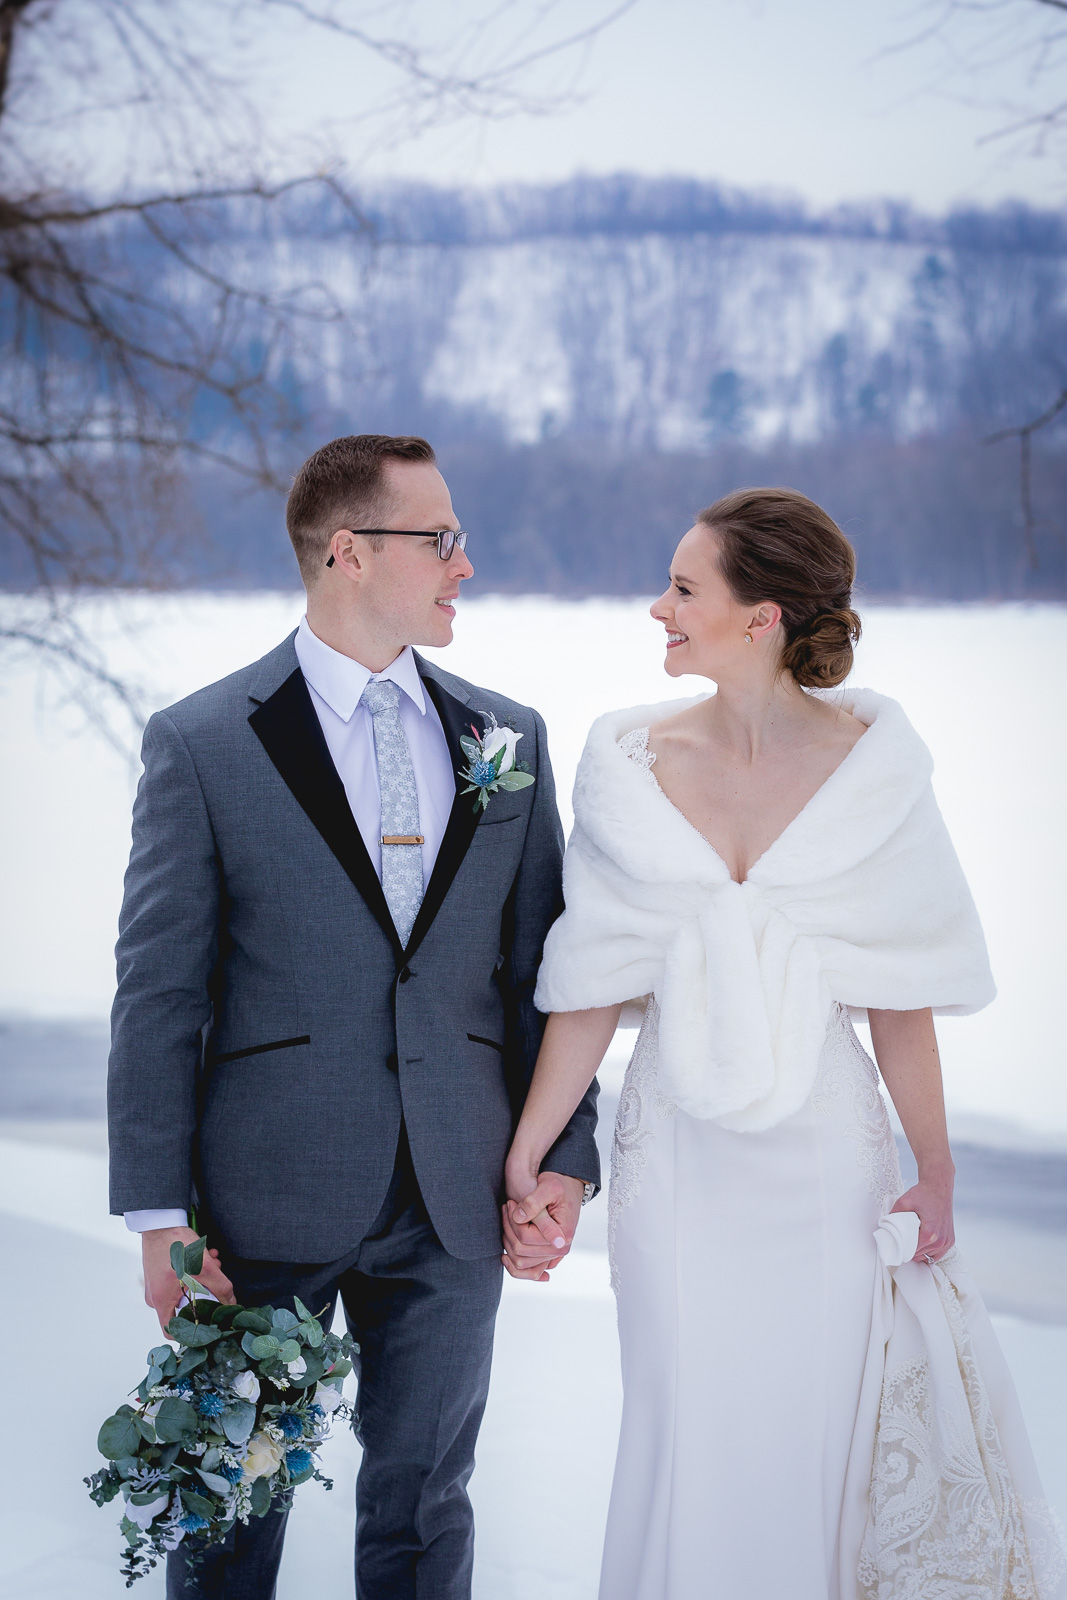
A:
378	595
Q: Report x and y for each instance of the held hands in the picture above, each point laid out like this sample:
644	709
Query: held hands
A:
540	1217
931	1200
162	1291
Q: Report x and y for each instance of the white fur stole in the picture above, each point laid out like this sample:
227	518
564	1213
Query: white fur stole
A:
861	900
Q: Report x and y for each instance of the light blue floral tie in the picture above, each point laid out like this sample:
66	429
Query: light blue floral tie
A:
401	863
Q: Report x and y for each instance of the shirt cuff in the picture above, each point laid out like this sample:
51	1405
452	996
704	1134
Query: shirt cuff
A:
142	1221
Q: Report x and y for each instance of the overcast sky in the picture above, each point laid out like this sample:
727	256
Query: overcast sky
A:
831	99
823	97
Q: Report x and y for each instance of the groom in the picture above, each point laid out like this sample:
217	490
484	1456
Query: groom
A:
324	1028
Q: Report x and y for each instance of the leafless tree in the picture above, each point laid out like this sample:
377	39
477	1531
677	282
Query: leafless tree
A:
1025	433
975	37
139	338
978	36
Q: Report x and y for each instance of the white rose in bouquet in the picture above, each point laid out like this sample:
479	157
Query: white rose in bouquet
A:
143	1516
501	739
328	1397
262	1458
246	1386
297	1368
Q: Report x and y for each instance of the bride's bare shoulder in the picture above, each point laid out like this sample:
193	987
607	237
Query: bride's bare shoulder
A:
679	728
840	727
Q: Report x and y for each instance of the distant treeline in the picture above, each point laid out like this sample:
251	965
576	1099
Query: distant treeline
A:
629	205
934	519
587	397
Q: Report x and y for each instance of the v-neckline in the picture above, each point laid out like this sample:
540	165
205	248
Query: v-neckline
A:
648	767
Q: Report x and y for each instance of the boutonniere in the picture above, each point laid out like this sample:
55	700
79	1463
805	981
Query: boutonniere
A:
491	763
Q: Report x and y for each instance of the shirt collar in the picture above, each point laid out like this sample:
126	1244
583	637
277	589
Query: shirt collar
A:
340	681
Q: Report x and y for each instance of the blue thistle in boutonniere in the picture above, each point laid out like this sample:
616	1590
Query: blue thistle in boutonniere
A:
491	763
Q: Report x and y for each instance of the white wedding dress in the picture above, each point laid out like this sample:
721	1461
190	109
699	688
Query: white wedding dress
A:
807	1414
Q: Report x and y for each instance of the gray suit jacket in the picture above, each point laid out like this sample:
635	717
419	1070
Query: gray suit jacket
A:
269	1031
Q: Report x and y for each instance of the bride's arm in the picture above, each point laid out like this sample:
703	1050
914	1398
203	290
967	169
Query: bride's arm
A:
906	1049
538	1224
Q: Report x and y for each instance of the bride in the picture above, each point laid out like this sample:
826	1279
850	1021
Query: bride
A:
815	1407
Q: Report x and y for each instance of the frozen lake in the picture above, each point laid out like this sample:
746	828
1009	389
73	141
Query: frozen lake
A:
980	683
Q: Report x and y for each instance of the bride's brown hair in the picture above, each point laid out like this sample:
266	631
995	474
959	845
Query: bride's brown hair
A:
778	545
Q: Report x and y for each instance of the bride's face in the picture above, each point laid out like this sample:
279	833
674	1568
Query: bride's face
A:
705	625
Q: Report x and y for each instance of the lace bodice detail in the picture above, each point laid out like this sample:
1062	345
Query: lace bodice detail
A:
634	746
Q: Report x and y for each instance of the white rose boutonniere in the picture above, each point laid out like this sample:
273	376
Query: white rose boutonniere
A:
491	763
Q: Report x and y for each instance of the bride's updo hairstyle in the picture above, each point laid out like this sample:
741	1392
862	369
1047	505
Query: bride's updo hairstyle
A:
778	545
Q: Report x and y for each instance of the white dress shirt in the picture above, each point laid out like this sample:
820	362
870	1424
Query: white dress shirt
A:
335	683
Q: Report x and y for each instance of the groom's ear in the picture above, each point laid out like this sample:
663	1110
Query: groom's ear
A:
346	557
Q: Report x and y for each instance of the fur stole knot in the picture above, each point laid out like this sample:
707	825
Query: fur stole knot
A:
860	900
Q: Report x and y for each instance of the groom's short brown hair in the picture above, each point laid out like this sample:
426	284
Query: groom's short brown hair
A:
340	486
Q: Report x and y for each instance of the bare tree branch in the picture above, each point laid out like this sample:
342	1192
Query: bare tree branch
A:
10	11
413	61
139	338
1019	30
1025	434
89	683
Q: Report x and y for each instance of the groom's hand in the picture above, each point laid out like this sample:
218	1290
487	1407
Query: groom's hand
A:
539	1228
162	1291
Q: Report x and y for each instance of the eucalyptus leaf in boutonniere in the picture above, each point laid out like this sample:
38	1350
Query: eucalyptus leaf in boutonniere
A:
491	763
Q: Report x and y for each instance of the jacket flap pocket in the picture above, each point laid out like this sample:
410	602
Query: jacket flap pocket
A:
261	1049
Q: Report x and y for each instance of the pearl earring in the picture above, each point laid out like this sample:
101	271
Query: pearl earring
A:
748	638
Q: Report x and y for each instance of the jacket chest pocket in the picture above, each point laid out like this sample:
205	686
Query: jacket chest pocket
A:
498	830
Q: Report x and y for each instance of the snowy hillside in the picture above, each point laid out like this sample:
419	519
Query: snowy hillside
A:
666	326
596	360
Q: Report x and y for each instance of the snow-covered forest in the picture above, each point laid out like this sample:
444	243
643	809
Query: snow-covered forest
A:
596	359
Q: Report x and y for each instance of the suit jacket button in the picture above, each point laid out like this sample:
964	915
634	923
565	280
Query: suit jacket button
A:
391	1062
405	975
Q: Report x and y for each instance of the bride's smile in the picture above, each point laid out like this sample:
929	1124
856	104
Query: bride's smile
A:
756	1200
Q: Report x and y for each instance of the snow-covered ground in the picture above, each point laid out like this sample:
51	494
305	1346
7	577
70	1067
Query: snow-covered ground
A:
982	684
544	1459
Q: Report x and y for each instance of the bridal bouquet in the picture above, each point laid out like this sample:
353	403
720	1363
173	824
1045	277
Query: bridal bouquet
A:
225	1425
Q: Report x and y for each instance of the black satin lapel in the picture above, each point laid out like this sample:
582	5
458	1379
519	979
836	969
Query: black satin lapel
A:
290	733
456	719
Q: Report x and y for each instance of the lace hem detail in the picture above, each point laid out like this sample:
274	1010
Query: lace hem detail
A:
847	1073
640	1098
945	1519
634	746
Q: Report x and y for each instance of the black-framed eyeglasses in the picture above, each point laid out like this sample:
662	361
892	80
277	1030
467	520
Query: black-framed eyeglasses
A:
448	539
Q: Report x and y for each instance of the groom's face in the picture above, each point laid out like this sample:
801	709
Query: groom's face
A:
405	592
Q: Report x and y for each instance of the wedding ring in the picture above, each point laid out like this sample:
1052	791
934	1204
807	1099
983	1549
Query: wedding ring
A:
929	1260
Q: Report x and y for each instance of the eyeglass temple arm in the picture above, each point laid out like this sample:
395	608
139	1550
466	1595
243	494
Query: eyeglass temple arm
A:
414	533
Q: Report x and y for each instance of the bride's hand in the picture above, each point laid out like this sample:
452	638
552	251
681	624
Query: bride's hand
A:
537	1236
931	1200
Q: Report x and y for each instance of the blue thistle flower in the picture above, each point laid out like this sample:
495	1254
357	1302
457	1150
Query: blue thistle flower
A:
211	1405
316	1413
483	773
193	1524
290	1426
230	1473
297	1461
183	1385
